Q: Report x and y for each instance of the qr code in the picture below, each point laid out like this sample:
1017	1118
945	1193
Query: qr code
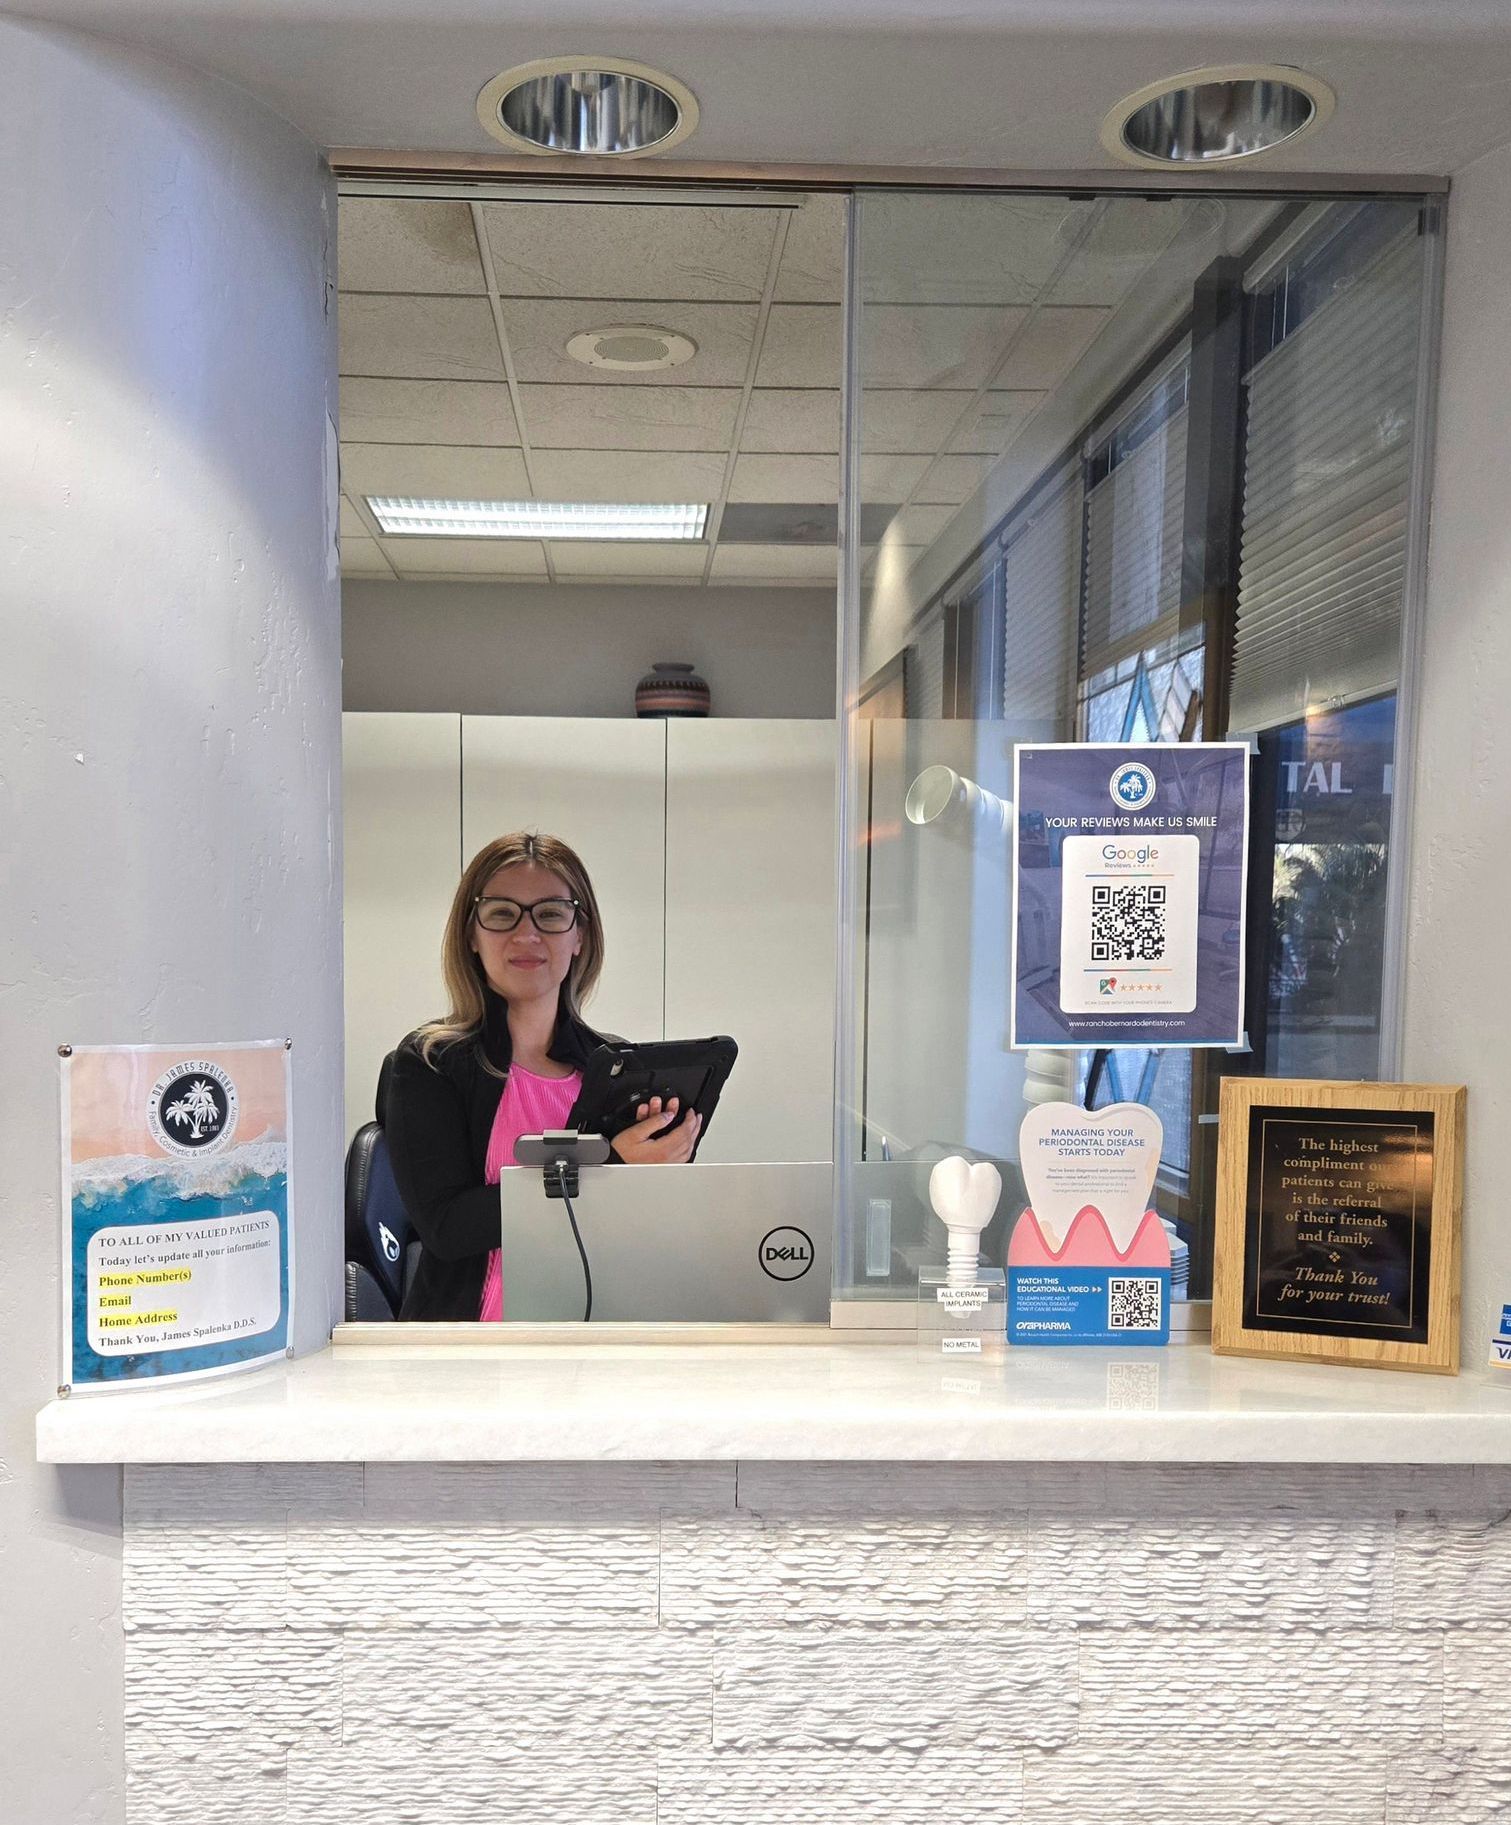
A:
1127	922
1133	1305
1133	1387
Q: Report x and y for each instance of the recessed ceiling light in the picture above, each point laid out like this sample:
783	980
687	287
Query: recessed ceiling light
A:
402	516
595	107
1214	116
632	347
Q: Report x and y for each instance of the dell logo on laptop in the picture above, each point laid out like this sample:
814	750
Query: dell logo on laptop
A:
785	1253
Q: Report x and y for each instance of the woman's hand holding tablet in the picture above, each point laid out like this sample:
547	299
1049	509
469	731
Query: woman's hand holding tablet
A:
649	1142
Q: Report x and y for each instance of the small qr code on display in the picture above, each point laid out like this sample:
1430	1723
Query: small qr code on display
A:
1127	922
1133	1305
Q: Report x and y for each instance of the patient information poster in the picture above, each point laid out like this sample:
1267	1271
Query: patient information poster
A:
1129	866
175	1210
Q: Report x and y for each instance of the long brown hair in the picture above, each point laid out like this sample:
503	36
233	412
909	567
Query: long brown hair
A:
462	968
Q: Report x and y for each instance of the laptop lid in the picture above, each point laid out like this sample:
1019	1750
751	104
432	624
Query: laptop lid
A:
705	1243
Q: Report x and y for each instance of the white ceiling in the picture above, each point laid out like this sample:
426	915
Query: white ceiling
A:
456	381
1423	85
455	319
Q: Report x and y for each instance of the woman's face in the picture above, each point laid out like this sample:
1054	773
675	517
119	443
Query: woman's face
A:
525	963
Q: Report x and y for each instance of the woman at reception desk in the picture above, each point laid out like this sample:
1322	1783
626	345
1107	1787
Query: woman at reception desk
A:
522	952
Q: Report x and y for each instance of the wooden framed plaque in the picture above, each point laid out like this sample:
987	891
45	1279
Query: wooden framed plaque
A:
1338	1208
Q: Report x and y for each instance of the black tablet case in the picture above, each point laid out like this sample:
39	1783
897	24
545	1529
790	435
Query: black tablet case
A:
618	1078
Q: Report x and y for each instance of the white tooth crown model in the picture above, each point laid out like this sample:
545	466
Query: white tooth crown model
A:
964	1197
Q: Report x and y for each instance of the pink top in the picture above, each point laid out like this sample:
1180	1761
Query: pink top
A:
529	1104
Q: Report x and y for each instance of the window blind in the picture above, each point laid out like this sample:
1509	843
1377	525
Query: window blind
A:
926	700
1322	561
1041	591
1133	547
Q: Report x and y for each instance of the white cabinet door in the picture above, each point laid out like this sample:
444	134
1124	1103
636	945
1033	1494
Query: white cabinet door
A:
600	785
401	817
750	934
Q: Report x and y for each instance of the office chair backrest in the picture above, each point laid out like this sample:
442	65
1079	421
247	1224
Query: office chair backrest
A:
380	1246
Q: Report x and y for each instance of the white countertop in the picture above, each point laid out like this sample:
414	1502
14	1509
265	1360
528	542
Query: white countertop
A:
823	1401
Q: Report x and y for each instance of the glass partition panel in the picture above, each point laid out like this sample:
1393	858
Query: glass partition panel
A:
1134	469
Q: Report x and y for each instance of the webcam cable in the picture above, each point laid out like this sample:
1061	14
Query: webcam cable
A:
587	1273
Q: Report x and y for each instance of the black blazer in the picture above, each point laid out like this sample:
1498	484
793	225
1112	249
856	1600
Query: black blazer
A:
438	1121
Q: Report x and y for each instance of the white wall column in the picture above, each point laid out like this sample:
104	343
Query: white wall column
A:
169	729
1456	999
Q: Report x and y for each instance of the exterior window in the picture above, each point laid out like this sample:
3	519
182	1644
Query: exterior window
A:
1330	404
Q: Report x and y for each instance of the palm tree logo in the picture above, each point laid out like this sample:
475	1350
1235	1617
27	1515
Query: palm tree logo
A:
196	1108
192	1108
1132	784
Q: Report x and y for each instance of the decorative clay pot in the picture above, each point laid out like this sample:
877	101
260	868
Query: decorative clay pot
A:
671	690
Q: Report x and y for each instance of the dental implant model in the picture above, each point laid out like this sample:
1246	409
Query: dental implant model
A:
962	1306
964	1199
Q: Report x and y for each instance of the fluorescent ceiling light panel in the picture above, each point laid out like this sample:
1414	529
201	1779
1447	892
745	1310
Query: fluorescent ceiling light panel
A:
399	515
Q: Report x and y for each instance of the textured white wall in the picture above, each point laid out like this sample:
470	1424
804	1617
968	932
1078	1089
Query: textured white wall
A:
169	731
521	649
766	1644
1455	1020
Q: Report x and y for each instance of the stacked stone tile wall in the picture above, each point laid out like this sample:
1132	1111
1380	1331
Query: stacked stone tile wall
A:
762	1644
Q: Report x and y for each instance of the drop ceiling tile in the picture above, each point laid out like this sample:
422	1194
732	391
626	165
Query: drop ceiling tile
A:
352	524
785	478
900	420
890	560
934	346
435	471
959	250
641	475
774	563
802	347
782	419
1051	345
952	479
465	557
426	412
361	557
894	422
419	338
919	525
396	244
813	259
540	328
780	523
621	251
890	478
639	558
995	422
1016	250
1115	239
630	418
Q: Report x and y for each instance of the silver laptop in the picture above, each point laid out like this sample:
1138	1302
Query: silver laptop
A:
688	1244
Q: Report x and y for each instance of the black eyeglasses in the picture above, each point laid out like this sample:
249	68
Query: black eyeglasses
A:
550	916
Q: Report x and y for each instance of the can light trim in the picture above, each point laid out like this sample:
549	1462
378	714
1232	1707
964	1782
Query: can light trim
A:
587	107
405	516
1216	116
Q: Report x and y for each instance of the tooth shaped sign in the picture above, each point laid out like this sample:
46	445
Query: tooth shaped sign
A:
1072	1157
965	1195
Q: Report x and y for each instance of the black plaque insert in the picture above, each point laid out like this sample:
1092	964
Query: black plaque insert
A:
1338	1222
